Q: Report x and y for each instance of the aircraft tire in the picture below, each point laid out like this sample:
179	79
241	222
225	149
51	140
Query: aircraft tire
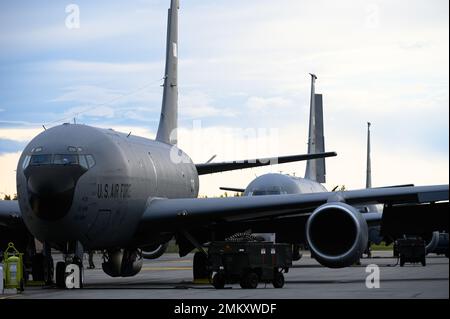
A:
61	274
37	267
219	281
200	268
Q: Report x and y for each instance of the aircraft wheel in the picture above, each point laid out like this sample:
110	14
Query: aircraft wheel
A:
37	267
278	280
200	268
219	281
61	274
42	268
296	254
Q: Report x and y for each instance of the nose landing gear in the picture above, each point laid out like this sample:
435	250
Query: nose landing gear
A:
72	256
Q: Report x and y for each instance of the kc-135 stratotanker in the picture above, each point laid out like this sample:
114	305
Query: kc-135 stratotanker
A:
84	188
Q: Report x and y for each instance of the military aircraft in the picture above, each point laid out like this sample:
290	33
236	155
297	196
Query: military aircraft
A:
81	187
436	242
276	184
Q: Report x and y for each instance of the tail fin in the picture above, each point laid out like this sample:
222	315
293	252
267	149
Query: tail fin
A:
167	130
315	169
369	165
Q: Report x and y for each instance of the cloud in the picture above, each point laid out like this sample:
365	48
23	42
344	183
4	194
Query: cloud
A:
391	163
376	62
101	68
86	94
196	104
106	103
19	134
8	146
265	104
8	166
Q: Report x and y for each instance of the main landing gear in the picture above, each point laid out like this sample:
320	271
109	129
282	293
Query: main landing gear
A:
42	266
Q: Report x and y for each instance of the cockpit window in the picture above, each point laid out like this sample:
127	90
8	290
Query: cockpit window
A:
90	160
43	159
260	192
26	161
66	159
85	161
266	192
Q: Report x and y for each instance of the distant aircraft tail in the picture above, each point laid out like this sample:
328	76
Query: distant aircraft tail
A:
369	164
168	123
315	169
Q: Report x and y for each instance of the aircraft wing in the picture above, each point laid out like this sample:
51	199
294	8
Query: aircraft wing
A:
421	201
10	213
211	168
12	227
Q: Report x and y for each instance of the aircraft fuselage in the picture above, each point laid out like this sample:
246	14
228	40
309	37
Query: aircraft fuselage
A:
81	183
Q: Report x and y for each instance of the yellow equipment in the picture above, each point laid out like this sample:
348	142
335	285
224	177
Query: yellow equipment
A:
13	268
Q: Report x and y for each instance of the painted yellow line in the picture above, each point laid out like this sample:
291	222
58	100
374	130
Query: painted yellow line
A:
9	297
166	268
202	281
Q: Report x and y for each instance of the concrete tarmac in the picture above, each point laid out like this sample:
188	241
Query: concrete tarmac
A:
170	277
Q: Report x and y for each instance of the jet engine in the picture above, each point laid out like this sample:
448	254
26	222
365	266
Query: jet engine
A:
122	263
154	252
432	242
437	243
337	235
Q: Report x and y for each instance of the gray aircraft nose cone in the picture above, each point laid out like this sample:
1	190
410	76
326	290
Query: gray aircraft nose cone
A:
51	189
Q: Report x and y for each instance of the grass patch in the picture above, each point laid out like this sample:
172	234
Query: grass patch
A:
382	247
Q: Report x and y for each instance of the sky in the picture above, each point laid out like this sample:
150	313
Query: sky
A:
243	80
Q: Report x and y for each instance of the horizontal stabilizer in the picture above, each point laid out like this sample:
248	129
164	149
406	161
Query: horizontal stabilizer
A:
396	186
231	189
211	168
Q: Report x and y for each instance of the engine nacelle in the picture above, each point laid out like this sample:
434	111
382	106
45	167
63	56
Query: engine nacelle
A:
154	252
437	243
432	242
337	235
122	263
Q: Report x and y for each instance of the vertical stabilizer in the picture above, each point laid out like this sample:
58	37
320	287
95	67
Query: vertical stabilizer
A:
315	169
369	164
168	123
